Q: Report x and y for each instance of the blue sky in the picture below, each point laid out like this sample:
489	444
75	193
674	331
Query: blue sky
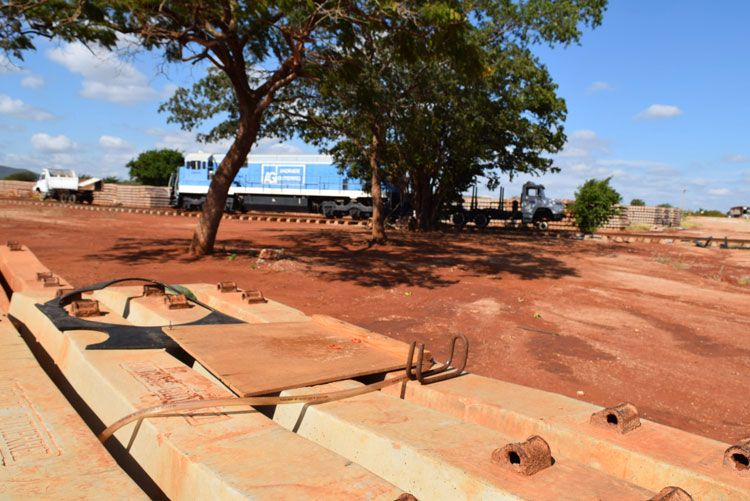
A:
658	97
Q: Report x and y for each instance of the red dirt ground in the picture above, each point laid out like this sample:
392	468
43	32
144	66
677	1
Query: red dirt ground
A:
662	326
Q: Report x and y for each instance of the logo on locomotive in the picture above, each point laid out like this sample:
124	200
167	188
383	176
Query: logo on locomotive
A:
283	175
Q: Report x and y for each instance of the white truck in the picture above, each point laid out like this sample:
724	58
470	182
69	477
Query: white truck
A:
64	185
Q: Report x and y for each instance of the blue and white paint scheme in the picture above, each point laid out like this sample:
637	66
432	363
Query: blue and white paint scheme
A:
282	182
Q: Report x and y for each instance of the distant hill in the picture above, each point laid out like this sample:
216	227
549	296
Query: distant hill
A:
7	171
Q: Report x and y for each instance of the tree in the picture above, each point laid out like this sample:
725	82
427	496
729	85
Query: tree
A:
111	180
153	167
276	41
666	206
637	202
596	202
25	175
431	125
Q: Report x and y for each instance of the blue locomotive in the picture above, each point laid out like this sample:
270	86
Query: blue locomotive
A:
300	183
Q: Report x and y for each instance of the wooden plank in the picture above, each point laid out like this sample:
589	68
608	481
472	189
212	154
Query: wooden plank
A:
257	359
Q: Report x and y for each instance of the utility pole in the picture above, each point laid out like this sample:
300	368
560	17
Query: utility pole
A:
682	207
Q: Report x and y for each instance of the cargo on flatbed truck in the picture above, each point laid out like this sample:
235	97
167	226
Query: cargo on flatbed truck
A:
535	208
66	186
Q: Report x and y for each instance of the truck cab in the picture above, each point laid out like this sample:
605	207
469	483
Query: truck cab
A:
537	208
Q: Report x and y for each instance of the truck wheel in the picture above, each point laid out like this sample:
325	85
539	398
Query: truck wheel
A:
458	218
542	225
481	220
72	198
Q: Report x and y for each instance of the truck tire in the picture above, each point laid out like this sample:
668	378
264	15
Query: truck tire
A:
481	220
542	225
459	218
72	198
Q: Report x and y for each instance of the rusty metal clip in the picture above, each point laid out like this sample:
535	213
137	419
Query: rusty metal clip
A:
737	457
153	290
14	246
227	286
672	493
253	296
422	377
622	417
176	301
41	275
525	458
85	308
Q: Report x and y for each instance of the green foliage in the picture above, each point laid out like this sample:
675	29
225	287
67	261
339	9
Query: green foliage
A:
594	205
22	176
112	180
709	213
666	206
637	202
154	167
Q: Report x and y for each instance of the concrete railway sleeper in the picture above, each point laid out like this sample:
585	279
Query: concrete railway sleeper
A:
465	437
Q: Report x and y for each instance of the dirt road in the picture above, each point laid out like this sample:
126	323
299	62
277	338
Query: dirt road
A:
665	327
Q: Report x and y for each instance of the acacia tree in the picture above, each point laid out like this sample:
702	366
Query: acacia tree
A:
279	40
430	125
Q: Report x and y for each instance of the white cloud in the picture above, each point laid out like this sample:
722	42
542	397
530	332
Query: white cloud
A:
719	191
599	86
621	162
664	171
48	144
18	109
105	76
659	111
273	146
32	82
114	143
7	67
185	141
698	181
735	159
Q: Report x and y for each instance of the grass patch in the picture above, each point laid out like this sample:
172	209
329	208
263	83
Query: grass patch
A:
638	227
690	224
744	280
662	259
679	265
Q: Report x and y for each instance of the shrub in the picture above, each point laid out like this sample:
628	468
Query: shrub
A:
22	176
596	202
153	167
638	202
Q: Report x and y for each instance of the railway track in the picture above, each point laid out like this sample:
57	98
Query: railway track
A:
615	236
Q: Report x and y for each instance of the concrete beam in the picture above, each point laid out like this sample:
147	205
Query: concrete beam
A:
652	455
46	450
211	454
434	455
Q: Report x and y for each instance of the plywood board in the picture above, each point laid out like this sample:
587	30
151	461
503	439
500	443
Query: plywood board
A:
257	359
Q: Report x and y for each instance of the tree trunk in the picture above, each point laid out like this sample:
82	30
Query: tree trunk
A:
378	211
213	209
424	201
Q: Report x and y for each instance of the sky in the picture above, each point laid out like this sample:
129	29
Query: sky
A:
658	98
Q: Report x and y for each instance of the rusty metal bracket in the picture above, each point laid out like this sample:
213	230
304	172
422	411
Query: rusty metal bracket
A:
737	457
253	296
622	417
176	301
525	458
227	286
41	275
85	308
14	246
431	376
51	281
153	290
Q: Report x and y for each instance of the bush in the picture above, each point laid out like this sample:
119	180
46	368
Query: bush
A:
594	205
22	176
153	167
666	206
637	202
